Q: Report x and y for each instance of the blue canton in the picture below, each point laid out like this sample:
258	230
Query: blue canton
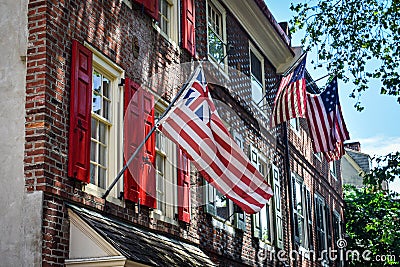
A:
330	96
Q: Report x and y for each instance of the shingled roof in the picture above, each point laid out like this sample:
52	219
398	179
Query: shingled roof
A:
143	246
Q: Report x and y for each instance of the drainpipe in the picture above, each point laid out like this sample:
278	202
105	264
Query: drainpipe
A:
289	187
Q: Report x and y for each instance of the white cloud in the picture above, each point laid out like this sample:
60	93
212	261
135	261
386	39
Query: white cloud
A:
380	145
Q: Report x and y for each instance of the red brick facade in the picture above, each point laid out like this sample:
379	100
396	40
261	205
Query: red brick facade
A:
112	27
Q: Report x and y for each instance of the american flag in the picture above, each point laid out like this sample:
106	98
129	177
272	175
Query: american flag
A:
290	100
325	120
194	124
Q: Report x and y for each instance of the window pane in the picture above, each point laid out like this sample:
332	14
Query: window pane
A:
106	87
222	206
96	96
92	174
102	133
94	128
106	109
102	155
299	204
256	68
102	177
215	46
265	223
93	151
256	90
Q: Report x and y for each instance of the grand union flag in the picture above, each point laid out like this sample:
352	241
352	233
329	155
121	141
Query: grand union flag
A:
194	124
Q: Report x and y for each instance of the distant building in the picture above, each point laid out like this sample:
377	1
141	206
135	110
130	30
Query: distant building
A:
354	164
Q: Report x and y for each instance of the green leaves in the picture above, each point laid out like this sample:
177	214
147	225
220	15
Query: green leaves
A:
348	34
373	214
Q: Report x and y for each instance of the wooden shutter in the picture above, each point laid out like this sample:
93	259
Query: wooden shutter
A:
133	136
140	178
80	113
148	175
188	26
183	187
150	6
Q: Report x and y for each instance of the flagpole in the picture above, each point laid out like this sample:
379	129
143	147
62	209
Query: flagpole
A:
119	175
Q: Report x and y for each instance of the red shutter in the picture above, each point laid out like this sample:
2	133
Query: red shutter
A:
188	26
183	187
80	113
148	183
132	138
150	6
140	178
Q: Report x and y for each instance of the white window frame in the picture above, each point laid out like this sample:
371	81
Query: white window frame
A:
222	11
173	26
168	151
254	50
115	148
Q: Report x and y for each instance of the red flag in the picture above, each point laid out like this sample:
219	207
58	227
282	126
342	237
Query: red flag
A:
194	124
325	120
290	101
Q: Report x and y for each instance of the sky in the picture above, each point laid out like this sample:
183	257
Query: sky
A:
377	127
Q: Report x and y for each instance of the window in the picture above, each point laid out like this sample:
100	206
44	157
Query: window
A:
298	209
337	233
167	24
256	75
320	223
318	155
217	204
166	174
95	152
216	33
336	227
328	225
309	219
106	124
262	221
165	16
101	126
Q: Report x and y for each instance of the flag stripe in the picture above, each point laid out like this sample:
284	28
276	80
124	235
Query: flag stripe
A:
248	204
190	135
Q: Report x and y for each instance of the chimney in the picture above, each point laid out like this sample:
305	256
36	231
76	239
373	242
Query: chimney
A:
356	146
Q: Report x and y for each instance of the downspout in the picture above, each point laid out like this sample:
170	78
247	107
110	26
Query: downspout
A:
289	188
